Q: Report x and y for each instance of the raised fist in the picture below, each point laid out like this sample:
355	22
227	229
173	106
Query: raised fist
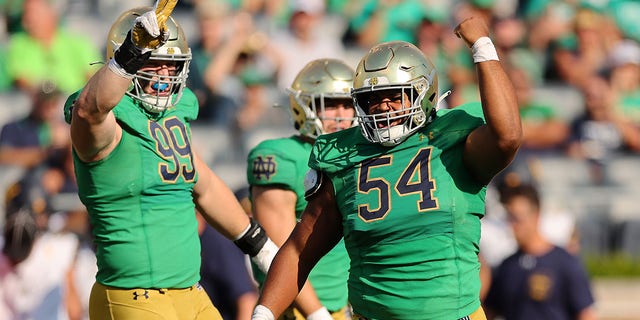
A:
150	29
471	29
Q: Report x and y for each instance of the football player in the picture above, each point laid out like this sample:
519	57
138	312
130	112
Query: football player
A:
319	102
406	189
141	181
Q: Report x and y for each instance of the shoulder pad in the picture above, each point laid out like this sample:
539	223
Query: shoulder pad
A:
312	182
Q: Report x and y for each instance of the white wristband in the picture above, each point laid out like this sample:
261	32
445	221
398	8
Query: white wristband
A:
117	69
484	50
261	312
320	314
265	256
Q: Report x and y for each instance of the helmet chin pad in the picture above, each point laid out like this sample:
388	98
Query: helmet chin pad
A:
156	104
391	136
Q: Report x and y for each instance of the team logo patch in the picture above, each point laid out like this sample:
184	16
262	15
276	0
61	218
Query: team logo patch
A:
264	167
539	286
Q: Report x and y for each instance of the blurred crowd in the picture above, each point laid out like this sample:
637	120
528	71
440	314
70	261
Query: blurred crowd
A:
575	65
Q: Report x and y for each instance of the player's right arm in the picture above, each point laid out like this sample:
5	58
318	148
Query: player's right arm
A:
491	147
94	130
318	232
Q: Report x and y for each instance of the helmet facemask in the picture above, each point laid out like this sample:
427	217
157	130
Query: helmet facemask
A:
391	127
167	88
314	108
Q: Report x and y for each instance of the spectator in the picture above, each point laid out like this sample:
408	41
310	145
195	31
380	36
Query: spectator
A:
577	55
386	20
47	52
303	41
41	134
600	133
211	24
228	45
624	77
543	129
27	291
231	69
540	280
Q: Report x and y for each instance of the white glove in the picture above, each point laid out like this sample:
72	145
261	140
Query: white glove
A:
149	21
261	312
150	29
265	256
320	314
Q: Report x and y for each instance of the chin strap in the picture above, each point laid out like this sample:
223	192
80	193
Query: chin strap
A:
443	96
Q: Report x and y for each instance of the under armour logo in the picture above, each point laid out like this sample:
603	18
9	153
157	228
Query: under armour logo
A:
421	136
264	166
136	295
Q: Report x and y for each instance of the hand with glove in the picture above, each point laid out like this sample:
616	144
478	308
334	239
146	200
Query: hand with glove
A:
150	29
148	32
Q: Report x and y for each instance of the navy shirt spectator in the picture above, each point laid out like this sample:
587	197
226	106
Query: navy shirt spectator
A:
540	280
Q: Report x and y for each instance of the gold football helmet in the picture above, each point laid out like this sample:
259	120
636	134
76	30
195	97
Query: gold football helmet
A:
175	51
318	81
399	67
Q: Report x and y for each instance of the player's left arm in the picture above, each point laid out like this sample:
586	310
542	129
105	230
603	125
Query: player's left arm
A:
219	206
491	147
217	203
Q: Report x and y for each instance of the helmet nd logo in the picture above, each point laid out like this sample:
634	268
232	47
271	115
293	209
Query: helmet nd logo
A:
263	167
170	50
376	80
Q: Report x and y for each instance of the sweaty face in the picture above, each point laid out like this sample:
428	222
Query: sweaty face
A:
395	103
337	114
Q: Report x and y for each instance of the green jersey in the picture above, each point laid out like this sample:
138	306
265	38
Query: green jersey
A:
410	217
282	163
140	199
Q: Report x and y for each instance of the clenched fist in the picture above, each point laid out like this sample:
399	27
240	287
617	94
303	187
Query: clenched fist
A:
471	29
